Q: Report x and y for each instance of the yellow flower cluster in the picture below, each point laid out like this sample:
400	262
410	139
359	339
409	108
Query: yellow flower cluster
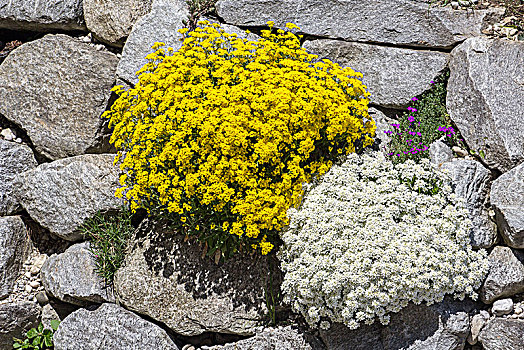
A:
221	134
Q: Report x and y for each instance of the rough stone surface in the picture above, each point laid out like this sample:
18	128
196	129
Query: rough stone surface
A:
397	22
71	277
471	181
392	75
442	326
61	195
111	21
440	153
506	274
507	197
503	334
502	307
159	25
268	339
15	246
109	327
16	158
383	124
36	15
478	321
16	319
166	279
56	88
485	98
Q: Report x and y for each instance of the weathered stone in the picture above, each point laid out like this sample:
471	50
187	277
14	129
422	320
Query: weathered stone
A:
36	15
268	339
159	25
507	197
61	195
503	334
485	98
397	22
506	274
111	21
440	153
442	326
502	307
383	124
471	181
71	277
109	327
15	320
166	279
16	158
56	88
15	246
478	321
392	75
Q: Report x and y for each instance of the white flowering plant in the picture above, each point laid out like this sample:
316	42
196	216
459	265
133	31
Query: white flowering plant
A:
373	236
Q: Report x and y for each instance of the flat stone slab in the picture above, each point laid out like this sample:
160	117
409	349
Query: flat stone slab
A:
392	75
395	22
56	88
71	277
503	334
62	194
485	98
507	197
109	327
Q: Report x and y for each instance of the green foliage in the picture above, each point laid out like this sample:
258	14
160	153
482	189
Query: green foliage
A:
37	338
197	9
109	235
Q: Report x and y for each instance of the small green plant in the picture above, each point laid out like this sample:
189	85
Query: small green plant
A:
197	9
109	235
39	338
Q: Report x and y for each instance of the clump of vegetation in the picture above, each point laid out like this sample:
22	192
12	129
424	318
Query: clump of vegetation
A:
109	235
39	338
197	9
219	136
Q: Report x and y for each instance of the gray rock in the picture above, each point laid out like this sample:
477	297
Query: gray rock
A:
15	246
159	25
503	334
48	314
502	307
471	181
71	277
442	326
392	75
478	321
507	197
268	339
383	124
111	21
397	22
440	153
485	98
16	158
61	195
16	319
241	33
166	279
109	327
36	15
506	274
56	88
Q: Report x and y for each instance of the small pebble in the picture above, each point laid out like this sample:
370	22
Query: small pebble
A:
34	270
502	307
459	151
28	288
34	284
188	347
28	274
518	310
42	298
18	140
8	134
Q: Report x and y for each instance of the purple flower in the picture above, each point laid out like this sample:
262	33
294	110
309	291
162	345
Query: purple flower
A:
432	82
414	99
411	119
411	109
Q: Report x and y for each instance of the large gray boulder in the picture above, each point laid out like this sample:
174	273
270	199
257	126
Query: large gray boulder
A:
16	319
506	274
159	25
442	326
392	75
56	88
471	181
503	334
485	98
61	195
71	277
111	21
15	246
397	22
507	197
109	327
16	158
36	15
167	279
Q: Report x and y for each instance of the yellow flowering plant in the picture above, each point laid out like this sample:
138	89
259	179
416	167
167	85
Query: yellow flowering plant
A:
220	135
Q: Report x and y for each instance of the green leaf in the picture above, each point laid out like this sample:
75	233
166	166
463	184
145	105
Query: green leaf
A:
37	341
482	154
32	333
47	332
40	328
48	341
17	346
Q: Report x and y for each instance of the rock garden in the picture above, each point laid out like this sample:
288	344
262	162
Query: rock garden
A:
248	174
